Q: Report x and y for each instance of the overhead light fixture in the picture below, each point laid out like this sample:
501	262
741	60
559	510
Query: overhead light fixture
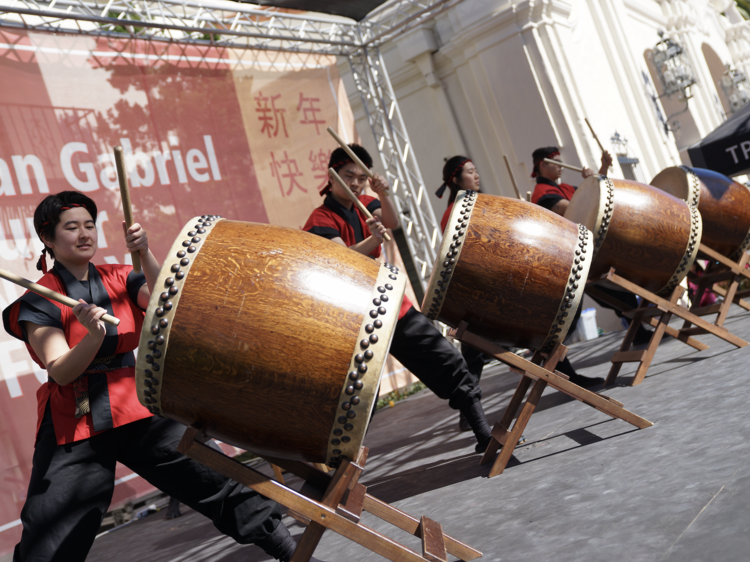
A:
736	88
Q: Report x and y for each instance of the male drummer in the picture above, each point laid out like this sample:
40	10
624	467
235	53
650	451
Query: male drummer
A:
417	344
555	196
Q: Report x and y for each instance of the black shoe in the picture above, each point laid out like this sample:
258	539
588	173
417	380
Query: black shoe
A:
173	511
482	445
586	382
642	336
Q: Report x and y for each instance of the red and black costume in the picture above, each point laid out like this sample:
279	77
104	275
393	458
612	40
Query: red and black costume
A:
417	344
79	442
549	193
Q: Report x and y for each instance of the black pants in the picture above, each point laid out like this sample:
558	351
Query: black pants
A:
474	360
422	349
71	488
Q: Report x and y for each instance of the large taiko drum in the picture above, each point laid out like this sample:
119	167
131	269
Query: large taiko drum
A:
513	271
269	338
723	203
648	236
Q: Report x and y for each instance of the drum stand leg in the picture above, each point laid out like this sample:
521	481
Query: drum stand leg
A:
653	306
533	372
720	268
339	508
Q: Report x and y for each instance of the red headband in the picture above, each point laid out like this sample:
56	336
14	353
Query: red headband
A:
539	161
345	159
45	223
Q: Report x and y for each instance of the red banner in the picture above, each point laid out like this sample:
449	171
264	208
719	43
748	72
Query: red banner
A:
205	131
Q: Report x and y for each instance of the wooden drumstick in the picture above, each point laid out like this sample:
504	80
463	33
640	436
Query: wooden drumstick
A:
512	179
594	135
353	156
568	166
122	175
355	199
49	293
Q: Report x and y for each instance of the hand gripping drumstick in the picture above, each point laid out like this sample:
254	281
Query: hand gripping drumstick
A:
50	294
355	199
353	156
594	134
122	175
512	179
568	166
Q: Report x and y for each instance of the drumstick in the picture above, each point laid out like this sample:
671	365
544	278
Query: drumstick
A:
594	134
122	175
353	156
49	293
512	179
568	166
355	199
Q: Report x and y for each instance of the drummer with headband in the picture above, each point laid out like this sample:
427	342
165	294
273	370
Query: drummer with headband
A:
417	344
555	196
89	417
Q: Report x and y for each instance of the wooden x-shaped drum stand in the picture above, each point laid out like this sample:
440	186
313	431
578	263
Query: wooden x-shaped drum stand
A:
337	504
720	268
653	306
541	375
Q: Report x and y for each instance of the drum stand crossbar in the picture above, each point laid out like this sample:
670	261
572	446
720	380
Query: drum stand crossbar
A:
336	503
652	306
720	268
540	371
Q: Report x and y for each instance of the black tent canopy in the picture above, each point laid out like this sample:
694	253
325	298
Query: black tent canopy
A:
726	149
355	9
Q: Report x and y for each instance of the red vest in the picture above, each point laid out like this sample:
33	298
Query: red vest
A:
124	404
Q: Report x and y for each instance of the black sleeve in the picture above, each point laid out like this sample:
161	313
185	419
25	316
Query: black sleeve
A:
325	232
550	200
373	205
37	310
133	284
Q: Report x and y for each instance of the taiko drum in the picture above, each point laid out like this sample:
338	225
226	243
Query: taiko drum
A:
723	203
268	338
650	237
513	271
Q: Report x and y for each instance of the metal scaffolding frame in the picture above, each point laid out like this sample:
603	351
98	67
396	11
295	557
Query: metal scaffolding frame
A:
222	23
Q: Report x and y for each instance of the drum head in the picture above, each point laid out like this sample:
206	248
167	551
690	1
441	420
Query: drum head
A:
587	207
680	182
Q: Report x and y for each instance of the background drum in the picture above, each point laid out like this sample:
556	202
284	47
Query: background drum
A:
723	203
650	237
514	271
268	338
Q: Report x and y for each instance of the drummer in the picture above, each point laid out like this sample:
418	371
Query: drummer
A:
89	417
417	344
460	173
555	196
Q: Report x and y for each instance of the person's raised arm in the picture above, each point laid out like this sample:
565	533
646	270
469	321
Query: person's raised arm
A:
387	212
606	163
137	241
64	364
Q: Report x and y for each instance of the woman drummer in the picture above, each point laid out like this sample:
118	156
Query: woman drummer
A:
460	174
89	417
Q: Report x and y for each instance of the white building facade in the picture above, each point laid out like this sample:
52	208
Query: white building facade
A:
494	78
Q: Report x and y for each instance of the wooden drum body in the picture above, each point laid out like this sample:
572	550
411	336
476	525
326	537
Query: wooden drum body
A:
513	271
723	203
650	237
268	338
